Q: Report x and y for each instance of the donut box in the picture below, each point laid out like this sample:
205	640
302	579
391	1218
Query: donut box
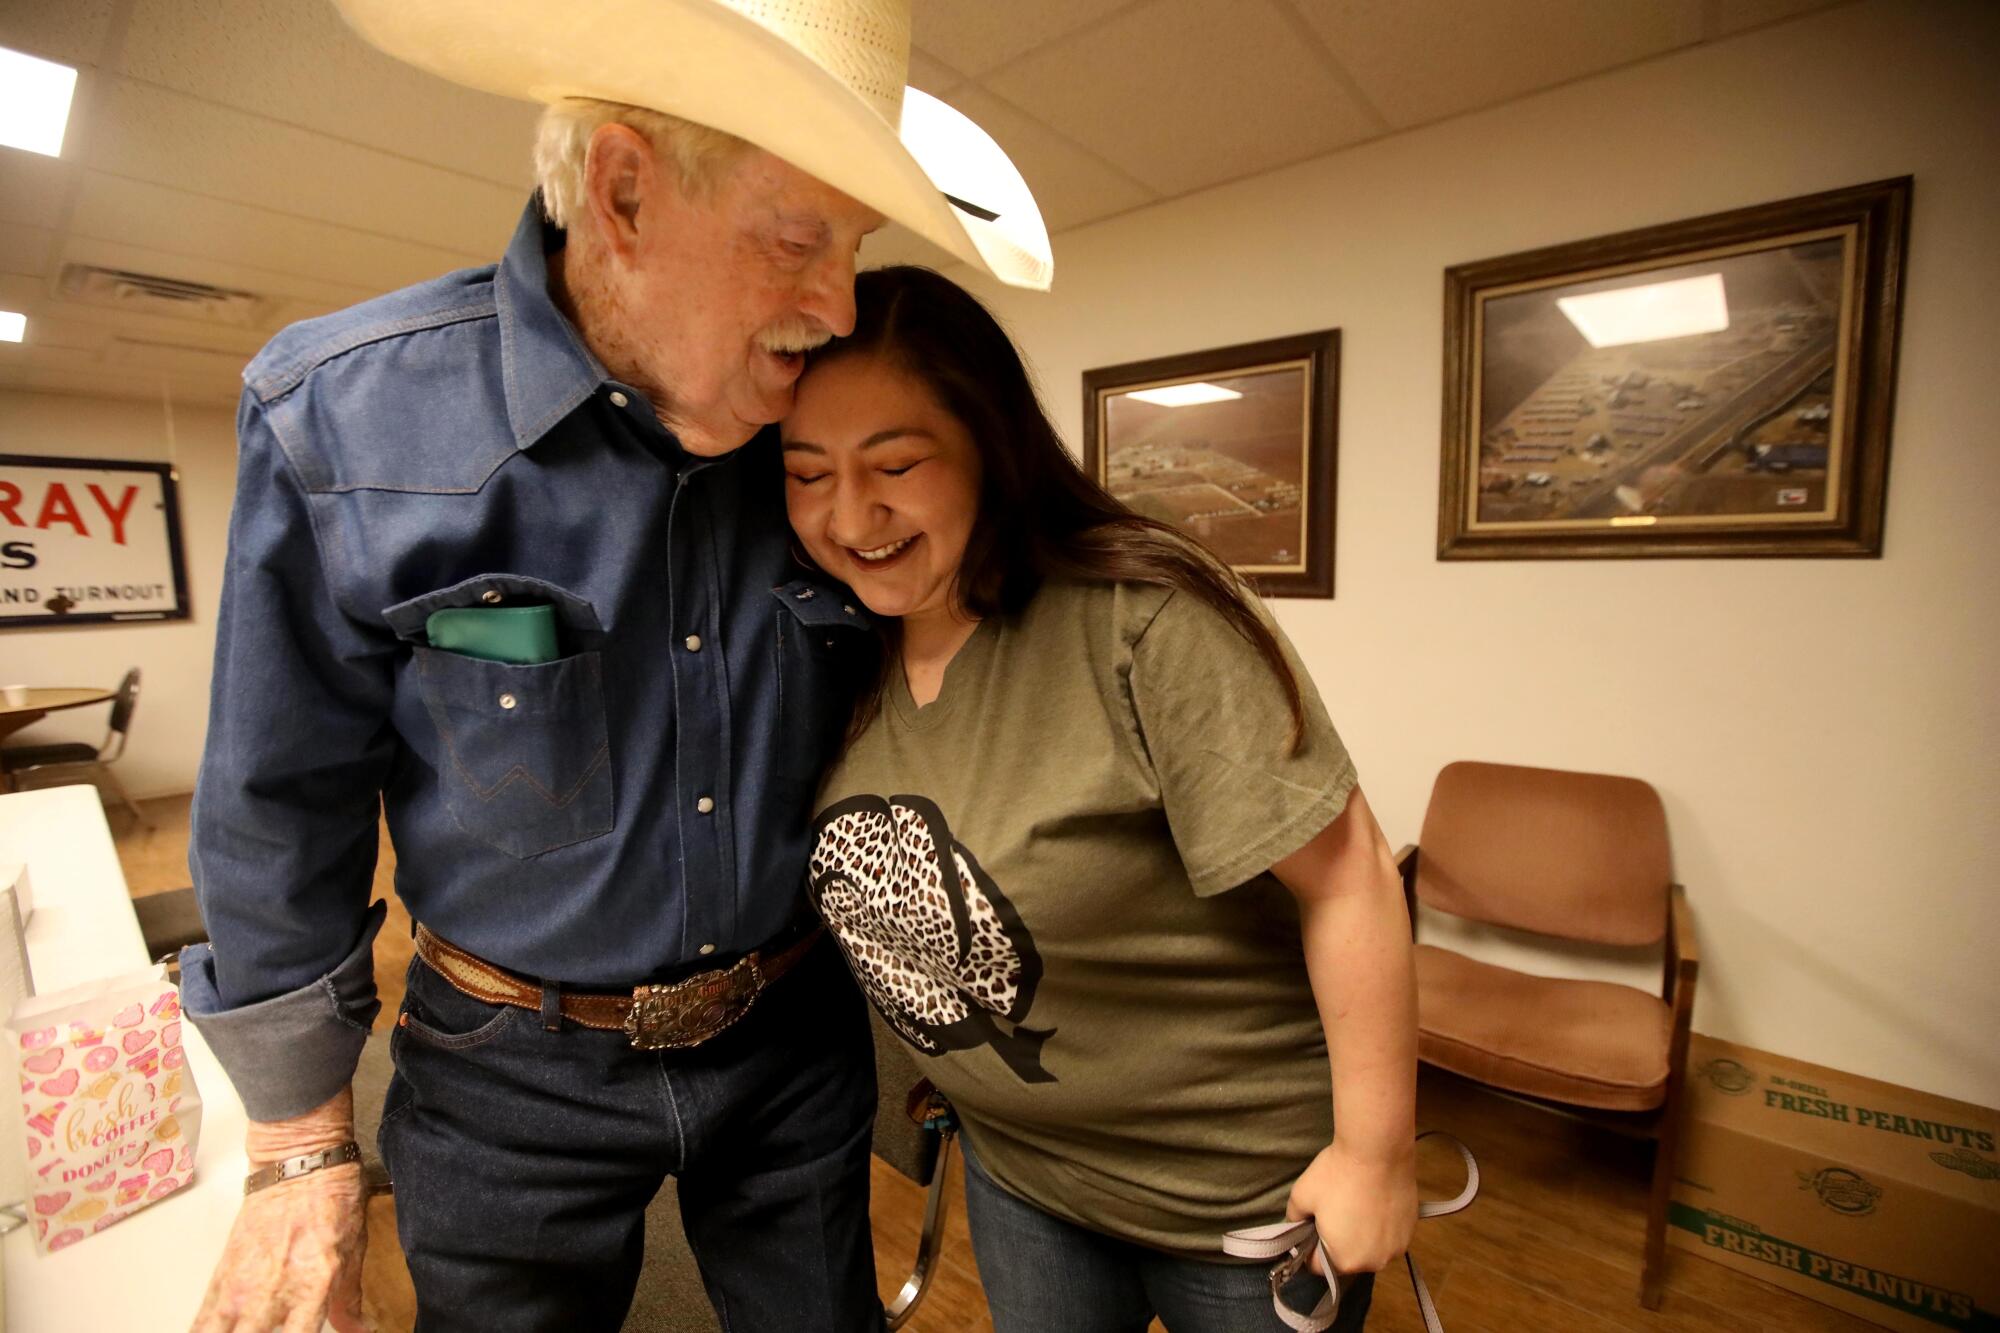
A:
108	1102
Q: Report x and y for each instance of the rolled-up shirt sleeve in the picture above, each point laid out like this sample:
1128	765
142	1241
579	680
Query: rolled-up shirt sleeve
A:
285	812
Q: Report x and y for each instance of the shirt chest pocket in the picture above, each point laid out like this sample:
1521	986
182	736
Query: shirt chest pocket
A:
825	648
524	756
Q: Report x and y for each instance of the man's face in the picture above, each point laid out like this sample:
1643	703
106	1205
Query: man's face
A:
722	293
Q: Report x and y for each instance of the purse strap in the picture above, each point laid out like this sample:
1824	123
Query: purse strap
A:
1289	1242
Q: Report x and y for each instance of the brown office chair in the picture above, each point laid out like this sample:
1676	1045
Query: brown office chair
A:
1577	856
73	761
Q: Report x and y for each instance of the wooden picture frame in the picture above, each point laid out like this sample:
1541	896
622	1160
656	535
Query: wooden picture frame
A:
1720	386
1248	465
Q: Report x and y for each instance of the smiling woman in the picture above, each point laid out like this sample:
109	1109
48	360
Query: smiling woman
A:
1094	807
889	512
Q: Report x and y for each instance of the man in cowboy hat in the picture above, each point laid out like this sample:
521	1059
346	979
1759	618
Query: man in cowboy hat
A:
509	564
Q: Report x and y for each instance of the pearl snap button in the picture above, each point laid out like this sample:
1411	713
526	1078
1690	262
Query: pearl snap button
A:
508	701
693	642
705	804
848	609
618	399
491	596
707	949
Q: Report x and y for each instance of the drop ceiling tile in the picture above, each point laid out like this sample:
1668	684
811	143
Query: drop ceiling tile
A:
32	188
68	31
50	329
976	36
933	75
297	62
25	250
65	322
135	213
211	271
97	384
147	357
1071	184
202	148
1183	94
1740	15
1422	60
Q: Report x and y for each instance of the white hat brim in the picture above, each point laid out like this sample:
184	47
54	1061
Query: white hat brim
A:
704	62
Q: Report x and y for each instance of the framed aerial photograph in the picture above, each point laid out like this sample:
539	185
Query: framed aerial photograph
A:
1235	445
1715	387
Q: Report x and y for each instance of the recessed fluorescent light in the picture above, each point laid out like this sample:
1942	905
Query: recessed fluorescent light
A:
1649	313
1184	395
34	102
12	326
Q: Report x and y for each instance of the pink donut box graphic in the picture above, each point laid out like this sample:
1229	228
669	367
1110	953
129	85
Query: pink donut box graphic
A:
109	1106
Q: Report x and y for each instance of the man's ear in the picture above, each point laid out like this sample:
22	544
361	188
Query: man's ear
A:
621	176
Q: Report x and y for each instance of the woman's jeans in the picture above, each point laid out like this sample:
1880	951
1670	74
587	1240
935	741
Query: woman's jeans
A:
1043	1274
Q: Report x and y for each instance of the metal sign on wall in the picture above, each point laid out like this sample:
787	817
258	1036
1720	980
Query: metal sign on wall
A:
89	540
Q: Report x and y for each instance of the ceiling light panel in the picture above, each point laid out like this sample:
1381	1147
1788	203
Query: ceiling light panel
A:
34	102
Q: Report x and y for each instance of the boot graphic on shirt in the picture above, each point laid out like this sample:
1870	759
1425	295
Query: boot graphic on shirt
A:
935	943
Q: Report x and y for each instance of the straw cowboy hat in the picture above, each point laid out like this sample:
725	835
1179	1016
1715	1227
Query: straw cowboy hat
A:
819	83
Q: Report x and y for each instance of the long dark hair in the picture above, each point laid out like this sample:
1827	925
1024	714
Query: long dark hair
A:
1040	516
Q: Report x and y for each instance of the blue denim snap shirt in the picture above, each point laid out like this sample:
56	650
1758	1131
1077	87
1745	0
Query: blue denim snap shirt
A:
638	803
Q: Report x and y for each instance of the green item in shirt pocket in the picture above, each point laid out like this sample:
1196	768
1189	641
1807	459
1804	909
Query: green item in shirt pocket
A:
518	635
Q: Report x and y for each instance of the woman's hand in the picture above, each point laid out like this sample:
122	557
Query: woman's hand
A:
1364	1205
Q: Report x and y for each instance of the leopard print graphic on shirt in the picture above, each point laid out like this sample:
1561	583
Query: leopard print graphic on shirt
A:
935	943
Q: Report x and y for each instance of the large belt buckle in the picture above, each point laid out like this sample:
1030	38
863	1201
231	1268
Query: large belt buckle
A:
688	1013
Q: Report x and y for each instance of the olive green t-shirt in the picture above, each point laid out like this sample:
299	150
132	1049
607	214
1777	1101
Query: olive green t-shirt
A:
1053	882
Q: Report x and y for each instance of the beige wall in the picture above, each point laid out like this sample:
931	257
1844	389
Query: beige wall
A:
166	735
1823	732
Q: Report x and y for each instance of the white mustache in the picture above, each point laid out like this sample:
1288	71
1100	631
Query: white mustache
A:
789	338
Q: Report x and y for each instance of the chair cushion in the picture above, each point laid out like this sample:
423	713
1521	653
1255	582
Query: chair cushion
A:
17	757
1584	1043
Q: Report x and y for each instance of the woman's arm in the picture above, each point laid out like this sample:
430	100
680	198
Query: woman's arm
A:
1362	1187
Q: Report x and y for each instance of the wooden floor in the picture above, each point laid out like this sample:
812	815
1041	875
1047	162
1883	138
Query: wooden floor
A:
1551	1246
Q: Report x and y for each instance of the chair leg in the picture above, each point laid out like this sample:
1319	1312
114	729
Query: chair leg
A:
1652	1280
118	788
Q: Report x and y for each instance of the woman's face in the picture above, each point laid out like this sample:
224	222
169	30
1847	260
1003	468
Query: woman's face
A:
881	483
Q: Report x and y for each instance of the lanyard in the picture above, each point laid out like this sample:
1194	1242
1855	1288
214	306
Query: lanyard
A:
1288	1243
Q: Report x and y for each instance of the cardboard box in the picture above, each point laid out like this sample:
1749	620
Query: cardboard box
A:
1871	1198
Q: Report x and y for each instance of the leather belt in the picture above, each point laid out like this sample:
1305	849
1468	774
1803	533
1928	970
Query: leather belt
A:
655	1018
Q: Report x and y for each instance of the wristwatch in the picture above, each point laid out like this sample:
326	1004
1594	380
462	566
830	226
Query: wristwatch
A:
291	1168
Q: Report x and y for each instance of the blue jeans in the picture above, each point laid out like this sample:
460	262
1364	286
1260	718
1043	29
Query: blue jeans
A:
1041	1274
524	1160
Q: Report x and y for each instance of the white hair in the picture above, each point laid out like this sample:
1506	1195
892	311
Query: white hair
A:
699	154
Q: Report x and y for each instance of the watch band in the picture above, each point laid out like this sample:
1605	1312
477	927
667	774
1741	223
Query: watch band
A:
291	1168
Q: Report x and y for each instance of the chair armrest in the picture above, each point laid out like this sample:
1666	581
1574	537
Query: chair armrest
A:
1683	954
1406	868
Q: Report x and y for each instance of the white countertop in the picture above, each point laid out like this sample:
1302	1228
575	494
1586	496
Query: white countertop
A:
149	1271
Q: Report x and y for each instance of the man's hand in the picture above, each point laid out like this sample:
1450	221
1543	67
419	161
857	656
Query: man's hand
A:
1364	1206
293	1259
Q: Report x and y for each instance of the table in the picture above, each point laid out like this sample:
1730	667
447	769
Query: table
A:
149	1271
43	701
